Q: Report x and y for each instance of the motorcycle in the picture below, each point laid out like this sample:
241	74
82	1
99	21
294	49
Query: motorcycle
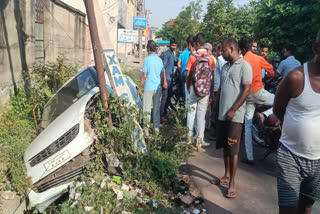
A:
266	133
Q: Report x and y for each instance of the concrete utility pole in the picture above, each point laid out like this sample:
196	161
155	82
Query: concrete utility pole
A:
97	52
140	13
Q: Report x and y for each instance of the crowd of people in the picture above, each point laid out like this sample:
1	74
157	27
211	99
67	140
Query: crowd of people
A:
230	82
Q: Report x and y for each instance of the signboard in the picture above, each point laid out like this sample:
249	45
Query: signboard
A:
140	22
128	36
146	32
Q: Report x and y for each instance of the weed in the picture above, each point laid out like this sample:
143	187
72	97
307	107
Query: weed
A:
19	121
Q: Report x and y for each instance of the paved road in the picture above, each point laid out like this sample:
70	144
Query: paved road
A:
256	185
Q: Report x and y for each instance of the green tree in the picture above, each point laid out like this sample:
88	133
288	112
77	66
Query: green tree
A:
186	23
289	21
224	20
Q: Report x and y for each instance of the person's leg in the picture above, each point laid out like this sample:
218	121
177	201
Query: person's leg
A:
233	170
201	117
183	82
226	159
310	186
147	101
156	109
163	101
234	138
250	108
288	181
305	204
191	115
168	101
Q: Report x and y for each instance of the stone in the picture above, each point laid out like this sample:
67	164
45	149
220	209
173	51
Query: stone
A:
8	195
186	199
88	208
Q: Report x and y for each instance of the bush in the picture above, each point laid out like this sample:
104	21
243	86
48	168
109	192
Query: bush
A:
20	120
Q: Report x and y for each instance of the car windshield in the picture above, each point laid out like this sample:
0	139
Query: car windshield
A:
68	94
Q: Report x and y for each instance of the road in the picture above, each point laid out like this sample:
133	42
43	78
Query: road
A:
256	185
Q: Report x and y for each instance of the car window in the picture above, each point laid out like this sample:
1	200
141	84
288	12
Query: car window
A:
68	94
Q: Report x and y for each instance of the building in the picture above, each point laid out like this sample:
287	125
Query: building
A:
41	30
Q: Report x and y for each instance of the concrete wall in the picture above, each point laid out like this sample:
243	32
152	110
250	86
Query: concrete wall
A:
64	33
14	48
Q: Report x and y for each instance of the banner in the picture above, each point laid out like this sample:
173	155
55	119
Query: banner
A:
128	36
140	22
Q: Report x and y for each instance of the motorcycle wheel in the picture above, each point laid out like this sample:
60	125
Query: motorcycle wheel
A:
256	138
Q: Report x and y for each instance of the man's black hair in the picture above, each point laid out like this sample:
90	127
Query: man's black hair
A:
219	47
190	40
200	38
264	45
291	48
173	40
152	46
231	42
253	40
245	43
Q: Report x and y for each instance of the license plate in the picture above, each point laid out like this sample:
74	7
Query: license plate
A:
53	163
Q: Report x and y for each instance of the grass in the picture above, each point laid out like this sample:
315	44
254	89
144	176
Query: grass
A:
154	172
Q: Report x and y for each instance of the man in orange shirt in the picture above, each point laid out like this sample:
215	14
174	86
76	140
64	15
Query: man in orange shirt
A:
197	106
258	95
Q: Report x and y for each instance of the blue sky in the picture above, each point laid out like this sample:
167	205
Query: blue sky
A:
164	10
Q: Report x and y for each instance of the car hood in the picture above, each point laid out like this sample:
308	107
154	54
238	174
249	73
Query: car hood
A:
69	118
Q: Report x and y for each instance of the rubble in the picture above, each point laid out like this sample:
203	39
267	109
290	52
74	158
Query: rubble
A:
120	195
8	195
196	211
88	208
186	199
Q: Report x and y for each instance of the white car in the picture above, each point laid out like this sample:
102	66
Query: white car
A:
60	152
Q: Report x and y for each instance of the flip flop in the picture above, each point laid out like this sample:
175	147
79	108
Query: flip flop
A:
231	193
219	181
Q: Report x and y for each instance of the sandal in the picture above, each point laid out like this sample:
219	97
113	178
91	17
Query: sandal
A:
231	193
220	181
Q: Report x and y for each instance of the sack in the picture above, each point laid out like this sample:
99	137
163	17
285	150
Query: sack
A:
202	75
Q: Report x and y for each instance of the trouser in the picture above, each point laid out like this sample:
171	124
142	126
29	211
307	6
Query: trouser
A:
183	82
166	99
148	98
197	108
260	97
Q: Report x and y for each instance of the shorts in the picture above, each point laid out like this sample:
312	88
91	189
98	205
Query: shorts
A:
229	136
295	176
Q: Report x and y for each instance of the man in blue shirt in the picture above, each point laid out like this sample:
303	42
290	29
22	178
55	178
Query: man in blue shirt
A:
182	63
168	63
153	76
289	63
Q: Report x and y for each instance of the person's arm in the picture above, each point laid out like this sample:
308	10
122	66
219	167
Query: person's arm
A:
179	66
165	59
163	79
243	97
188	70
144	76
267	67
142	81
290	87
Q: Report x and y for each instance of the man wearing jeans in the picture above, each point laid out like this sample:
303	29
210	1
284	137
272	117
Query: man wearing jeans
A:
168	63
182	63
153	76
257	93
197	106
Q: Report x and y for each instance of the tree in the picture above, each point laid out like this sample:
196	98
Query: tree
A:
186	23
289	22
224	20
